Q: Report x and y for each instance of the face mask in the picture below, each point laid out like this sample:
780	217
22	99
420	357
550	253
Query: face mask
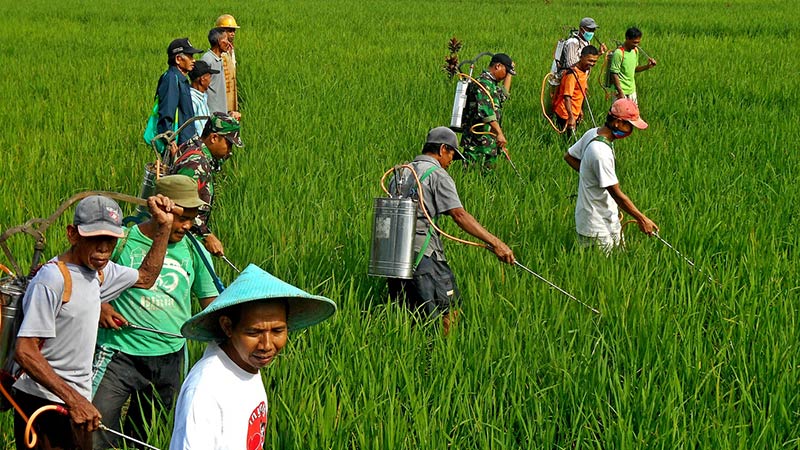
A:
619	134
588	35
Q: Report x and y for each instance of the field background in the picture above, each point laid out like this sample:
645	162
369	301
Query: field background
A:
335	92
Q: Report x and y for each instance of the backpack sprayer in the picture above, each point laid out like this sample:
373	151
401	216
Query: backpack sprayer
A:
394	228
12	289
605	69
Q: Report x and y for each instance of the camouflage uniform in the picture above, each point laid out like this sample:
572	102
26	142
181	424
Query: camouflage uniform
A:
482	148
195	160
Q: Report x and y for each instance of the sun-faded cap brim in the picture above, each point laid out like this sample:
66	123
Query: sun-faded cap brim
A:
255	284
100	229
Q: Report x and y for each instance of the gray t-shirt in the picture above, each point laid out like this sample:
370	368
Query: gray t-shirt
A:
440	196
217	100
69	329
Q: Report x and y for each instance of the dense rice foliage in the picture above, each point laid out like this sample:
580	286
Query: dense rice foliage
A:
337	91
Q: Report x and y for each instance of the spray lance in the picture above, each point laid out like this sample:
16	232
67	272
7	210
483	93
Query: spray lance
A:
393	236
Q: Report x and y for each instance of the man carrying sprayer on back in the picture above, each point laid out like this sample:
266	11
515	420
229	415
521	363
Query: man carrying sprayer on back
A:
433	290
61	309
580	40
174	97
597	218
200	159
139	365
625	64
483	135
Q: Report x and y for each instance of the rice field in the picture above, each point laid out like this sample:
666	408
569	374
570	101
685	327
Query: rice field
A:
336	92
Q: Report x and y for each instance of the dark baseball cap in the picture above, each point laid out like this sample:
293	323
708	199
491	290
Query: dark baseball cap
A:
201	68
182	45
446	136
98	216
505	60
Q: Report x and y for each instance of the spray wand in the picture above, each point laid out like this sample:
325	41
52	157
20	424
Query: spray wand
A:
475	244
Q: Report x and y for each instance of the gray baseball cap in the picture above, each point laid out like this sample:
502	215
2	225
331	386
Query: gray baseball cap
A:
446	136
588	22
98	216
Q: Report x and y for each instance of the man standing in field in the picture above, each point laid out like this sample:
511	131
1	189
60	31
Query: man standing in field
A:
433	291
143	366
229	25
483	136
174	97
61	309
217	97
625	64
580	40
199	159
597	218
200	77
574	88
222	403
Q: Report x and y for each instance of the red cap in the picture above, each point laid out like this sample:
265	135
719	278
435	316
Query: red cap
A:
626	109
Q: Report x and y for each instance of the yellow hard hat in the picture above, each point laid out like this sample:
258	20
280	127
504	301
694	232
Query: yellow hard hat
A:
226	21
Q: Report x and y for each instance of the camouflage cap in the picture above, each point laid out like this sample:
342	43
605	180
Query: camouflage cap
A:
225	125
180	189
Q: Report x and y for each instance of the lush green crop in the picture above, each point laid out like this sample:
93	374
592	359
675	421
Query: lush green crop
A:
336	92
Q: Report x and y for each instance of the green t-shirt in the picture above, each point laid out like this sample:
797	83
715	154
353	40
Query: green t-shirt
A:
166	305
624	65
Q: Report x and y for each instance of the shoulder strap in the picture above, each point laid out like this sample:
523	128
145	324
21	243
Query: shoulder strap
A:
602	139
185	155
118	250
430	229
62	267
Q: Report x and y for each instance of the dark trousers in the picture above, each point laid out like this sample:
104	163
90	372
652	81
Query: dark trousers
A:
151	383
431	292
55	431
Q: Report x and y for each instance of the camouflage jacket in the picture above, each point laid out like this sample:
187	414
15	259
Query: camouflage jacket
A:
479	106
195	160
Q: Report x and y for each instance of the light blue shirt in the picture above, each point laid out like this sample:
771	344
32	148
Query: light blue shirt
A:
200	105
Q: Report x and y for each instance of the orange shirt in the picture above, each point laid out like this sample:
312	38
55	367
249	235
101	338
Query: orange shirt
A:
573	87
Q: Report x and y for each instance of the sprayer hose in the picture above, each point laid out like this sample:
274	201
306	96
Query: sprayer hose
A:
30	434
422	205
544	110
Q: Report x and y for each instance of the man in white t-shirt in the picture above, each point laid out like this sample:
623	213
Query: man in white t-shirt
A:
223	404
597	218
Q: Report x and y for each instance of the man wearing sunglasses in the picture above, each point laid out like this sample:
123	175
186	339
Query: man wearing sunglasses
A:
200	159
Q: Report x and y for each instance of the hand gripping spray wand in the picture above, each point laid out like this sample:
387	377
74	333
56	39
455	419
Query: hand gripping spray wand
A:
31	437
394	227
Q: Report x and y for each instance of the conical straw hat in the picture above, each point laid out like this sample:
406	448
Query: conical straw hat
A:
255	284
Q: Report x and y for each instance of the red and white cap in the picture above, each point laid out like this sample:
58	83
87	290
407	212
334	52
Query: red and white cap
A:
626	109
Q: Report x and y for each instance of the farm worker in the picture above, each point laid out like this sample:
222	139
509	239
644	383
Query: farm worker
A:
229	25
200	159
483	136
222	403
597	218
174	97
142	366
568	101
579	40
200	77
625	63
432	291
217	96
61	308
